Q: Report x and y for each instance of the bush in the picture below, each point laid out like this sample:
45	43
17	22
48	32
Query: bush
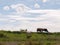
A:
2	35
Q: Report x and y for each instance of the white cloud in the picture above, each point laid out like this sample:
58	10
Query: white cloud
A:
1	18
20	8
22	18
44	1
6	8
37	5
44	11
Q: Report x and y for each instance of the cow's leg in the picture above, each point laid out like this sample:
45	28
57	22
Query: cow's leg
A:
47	30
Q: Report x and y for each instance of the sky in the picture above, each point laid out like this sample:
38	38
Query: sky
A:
30	14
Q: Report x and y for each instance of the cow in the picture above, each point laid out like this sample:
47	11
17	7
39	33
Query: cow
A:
42	30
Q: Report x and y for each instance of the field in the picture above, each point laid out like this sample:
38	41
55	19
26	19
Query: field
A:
33	38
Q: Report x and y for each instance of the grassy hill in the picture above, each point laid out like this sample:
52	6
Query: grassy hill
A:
33	38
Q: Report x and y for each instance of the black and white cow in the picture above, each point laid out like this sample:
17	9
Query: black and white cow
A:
42	30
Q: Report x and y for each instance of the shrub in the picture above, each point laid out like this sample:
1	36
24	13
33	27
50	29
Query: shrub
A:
2	35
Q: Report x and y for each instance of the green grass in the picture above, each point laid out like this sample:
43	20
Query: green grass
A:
34	39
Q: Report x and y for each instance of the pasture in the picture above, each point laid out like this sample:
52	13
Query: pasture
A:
33	38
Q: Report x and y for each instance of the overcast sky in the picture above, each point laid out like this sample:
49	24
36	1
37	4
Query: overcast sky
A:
30	14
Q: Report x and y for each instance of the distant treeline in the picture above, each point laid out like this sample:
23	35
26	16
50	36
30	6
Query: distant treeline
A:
25	31
13	31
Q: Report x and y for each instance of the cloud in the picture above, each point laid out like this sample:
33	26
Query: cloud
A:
6	8
47	14
37	5
2	17
44	11
20	8
44	1
20	18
